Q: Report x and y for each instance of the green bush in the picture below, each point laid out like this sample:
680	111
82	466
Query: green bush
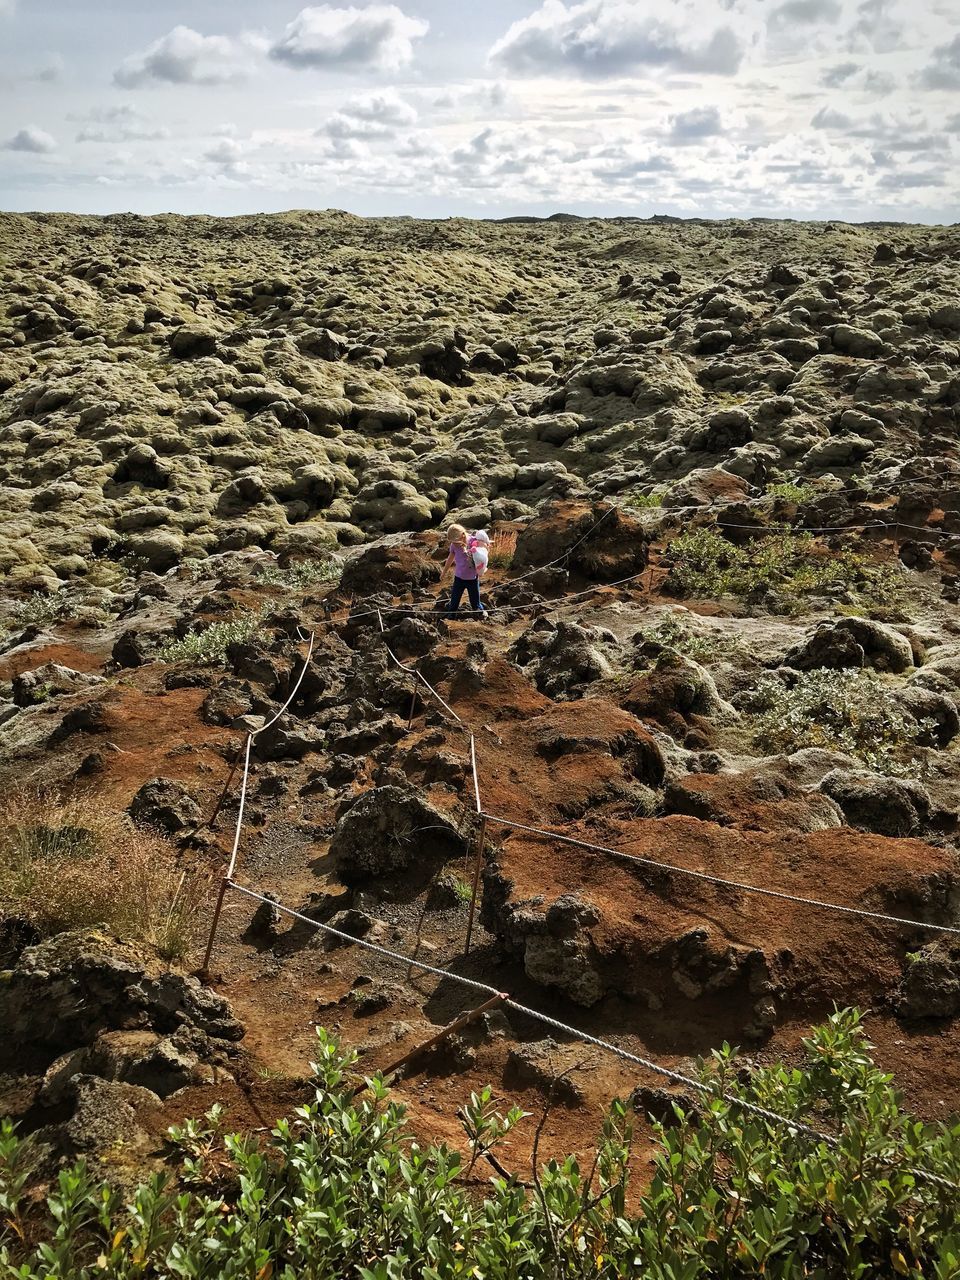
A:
302	574
793	490
209	647
342	1190
780	565
849	711
644	501
40	610
673	633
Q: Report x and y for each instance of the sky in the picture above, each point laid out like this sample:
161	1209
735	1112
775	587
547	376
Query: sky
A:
844	109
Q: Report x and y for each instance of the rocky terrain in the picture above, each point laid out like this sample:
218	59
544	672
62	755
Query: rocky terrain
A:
219	436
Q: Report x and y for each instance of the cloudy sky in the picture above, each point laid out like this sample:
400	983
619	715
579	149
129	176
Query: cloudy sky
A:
801	108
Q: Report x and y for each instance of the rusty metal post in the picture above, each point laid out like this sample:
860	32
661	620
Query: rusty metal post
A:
464	1020
413	699
481	843
226	787
224	886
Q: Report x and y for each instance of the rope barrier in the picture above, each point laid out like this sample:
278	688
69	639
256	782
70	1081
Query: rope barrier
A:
411	963
677	1077
419	676
718	880
235	850
476	779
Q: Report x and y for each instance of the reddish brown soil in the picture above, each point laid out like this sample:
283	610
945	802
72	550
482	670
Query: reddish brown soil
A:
76	656
548	764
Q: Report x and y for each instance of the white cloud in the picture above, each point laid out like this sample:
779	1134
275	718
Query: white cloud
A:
828	118
184	56
118	123
796	13
878	27
7	8
943	70
833	77
695	124
48	71
31	139
372	115
608	38
380	36
879	83
478	95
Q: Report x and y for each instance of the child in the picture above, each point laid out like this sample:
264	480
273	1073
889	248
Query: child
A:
478	546
465	576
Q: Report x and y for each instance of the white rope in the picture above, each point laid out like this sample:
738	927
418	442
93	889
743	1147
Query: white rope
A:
246	759
773	1117
243	800
397	956
293	694
719	880
476	778
418	676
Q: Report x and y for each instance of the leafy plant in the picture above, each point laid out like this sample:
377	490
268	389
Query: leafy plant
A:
792	490
849	711
209	646
780	565
41	693
484	1125
342	1189
302	574
672	633
40	610
644	501
70	864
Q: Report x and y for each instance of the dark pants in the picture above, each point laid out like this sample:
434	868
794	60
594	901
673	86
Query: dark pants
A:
472	588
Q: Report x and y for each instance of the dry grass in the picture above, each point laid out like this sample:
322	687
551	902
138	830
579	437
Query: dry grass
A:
502	547
71	864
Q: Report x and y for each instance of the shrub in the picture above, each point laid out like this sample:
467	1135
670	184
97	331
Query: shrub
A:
303	574
71	864
780	565
792	490
343	1190
643	501
849	711
209	647
673	633
39	610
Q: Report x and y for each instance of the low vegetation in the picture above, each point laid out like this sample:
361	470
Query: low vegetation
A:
209	646
673	633
644	501
502	549
793	490
849	711
39	610
342	1189
71	864
779	567
303	573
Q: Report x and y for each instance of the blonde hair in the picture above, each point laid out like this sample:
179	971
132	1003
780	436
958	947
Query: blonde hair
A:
457	533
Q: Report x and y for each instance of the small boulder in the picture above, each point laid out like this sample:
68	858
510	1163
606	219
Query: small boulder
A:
49	681
852	643
190	341
930	987
165	804
391	829
887	806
